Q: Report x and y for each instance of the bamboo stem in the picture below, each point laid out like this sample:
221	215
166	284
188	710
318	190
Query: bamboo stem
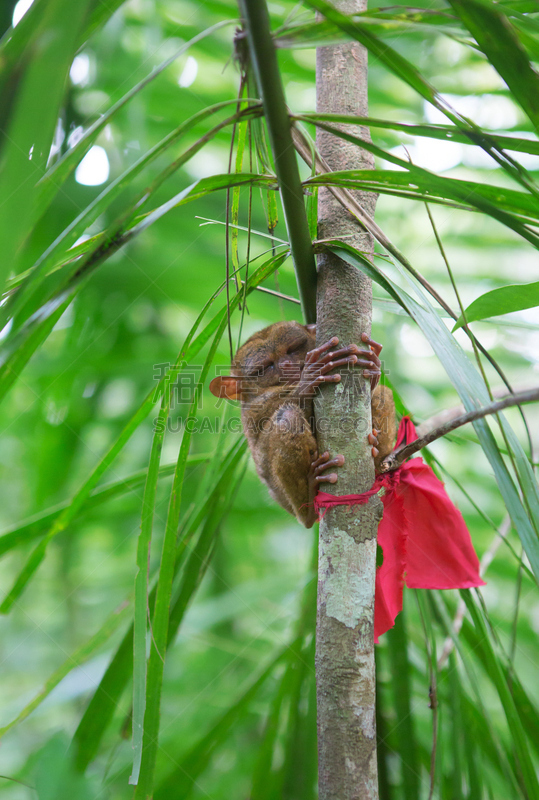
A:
345	667
266	69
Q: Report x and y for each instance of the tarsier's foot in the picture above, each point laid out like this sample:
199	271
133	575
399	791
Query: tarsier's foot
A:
373	439
318	467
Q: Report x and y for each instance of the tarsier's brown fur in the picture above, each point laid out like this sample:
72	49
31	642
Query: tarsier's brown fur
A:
274	375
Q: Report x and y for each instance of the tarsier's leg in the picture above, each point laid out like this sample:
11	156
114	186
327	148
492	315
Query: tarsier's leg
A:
384	426
296	466
383	422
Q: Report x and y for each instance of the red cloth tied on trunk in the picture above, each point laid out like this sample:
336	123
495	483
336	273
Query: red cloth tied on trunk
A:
422	534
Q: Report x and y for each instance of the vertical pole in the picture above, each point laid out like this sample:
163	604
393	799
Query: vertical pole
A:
345	666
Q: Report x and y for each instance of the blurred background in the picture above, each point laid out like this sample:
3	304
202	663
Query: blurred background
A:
102	358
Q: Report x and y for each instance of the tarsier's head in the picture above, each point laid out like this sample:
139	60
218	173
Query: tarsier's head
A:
271	357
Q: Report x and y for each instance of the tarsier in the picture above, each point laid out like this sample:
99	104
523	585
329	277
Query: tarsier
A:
275	375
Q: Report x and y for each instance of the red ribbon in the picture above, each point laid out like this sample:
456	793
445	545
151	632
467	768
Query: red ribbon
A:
422	534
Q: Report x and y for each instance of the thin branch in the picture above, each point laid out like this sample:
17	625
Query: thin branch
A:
264	60
457	411
275	294
396	458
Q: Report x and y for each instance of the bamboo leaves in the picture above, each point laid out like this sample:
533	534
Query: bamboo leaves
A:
504	300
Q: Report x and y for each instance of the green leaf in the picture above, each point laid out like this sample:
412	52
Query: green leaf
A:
160	622
69	513
141	583
525	763
16	350
60	251
499	42
103	704
501	301
512	208
386	23
181	781
34	526
527	710
397	642
80	655
447	133
30	130
143	555
60	171
473	393
477	711
407	72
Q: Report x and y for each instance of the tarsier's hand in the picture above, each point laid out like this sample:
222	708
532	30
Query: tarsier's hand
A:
370	360
319	362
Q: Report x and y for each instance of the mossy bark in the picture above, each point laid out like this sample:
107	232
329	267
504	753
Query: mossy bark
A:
345	648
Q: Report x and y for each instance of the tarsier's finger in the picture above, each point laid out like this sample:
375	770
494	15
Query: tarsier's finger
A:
326	379
374	452
338	461
320	459
352	349
368	363
338	363
314	355
331	356
316	380
331	478
311	383
365	358
373	437
370	356
376	346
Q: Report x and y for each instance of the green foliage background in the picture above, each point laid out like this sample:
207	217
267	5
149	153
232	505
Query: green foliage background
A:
222	734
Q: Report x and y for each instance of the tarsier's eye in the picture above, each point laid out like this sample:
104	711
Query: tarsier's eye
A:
260	369
295	346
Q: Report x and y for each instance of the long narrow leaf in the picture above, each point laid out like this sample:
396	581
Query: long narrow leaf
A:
504	300
499	42
81	655
182	780
515	725
447	133
17	350
57	174
141	583
57	252
164	586
407	72
102	706
151	398
34	526
472	392
30	131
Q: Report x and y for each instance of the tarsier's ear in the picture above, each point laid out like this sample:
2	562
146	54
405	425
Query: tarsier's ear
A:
226	386
311	327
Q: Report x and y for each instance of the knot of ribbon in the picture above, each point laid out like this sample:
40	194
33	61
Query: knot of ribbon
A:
423	536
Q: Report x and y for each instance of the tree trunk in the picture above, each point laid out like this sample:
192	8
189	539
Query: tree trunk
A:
345	670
